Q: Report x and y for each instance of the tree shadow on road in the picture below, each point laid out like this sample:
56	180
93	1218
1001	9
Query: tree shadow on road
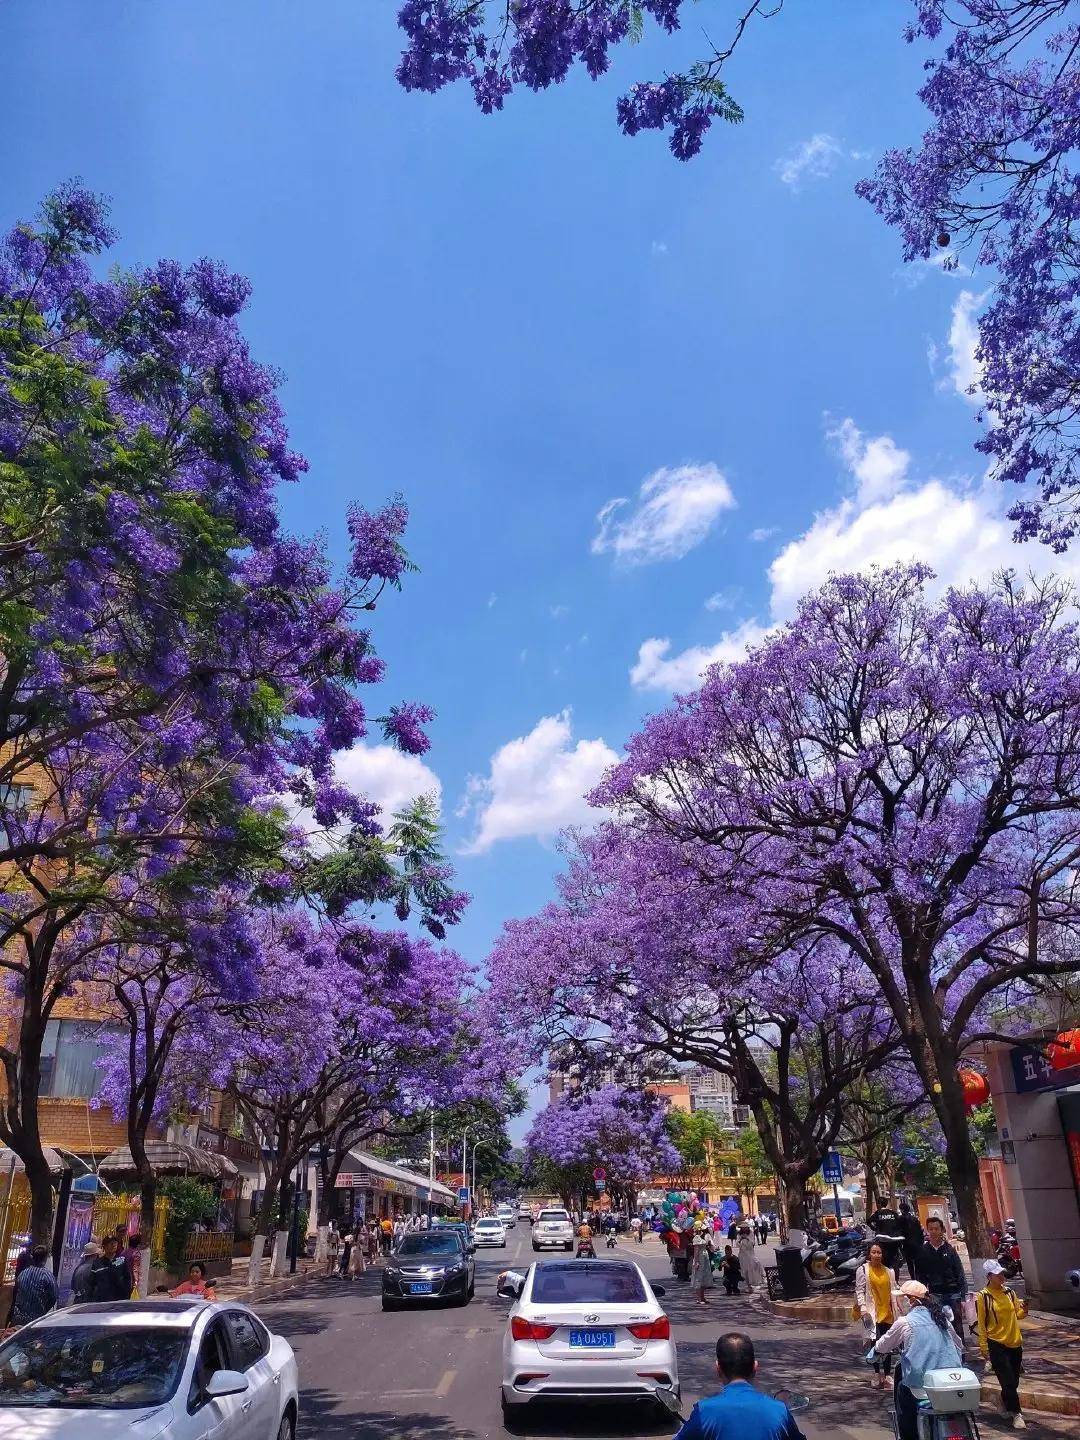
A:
320	1416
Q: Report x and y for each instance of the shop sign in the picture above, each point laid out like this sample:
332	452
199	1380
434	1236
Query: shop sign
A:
1031	1071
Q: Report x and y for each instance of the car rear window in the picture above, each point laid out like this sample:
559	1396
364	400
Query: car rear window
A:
554	1215
582	1283
429	1245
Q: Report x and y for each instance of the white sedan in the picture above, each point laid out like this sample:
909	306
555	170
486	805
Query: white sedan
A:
489	1231
586	1330
183	1369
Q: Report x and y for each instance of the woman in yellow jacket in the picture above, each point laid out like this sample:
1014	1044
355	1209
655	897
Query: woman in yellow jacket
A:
874	1297
998	1312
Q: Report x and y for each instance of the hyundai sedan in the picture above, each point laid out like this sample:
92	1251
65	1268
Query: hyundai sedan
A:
163	1369
586	1330
429	1265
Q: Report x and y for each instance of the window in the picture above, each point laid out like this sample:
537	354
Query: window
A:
247	1344
69	1055
583	1284
15	803
213	1356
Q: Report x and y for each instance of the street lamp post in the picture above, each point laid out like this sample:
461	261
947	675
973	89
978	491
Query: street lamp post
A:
464	1164
476	1146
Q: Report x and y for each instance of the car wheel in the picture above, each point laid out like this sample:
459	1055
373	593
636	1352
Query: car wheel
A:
287	1428
536	1249
388	1304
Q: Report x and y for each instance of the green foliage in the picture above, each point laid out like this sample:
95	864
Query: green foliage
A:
692	1133
754	1167
191	1202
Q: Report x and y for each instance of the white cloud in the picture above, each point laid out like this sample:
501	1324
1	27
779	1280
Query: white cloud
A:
657	669
676	509
659	247
381	774
492	599
965	370
814	159
763	532
956	526
879	465
536	785
386	776
725	599
559	612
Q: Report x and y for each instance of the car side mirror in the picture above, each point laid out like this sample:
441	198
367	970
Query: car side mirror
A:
510	1285
659	1290
225	1382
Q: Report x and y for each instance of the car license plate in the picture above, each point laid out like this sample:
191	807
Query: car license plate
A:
593	1339
420	1287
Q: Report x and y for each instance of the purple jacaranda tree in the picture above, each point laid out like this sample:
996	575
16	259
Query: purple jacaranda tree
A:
612	1128
171	662
647	958
355	1034
898	778
994	184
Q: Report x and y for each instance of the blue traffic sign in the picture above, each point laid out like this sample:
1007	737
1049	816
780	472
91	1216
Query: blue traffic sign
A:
832	1168
463	1193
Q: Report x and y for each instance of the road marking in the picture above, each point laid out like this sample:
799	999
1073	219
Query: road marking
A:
472	1333
443	1387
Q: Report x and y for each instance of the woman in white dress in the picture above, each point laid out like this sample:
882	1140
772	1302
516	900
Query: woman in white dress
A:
753	1274
701	1274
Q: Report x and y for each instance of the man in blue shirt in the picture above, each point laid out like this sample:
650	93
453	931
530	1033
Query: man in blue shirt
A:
739	1412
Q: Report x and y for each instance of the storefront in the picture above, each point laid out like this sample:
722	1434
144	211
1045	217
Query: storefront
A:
368	1188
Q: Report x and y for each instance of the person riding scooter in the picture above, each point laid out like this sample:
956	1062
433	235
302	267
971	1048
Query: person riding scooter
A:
926	1341
585	1248
611	1230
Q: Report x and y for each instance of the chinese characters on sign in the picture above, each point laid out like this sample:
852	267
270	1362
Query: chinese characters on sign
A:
1031	1071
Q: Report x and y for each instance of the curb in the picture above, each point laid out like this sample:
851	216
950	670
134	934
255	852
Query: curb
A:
816	1312
1050	1402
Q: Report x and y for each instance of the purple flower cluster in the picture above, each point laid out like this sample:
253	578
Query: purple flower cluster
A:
536	43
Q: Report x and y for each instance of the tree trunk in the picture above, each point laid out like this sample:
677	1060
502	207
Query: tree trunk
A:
258	1246
794	1207
963	1166
148	1210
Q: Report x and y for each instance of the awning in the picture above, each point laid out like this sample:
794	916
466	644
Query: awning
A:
53	1159
170	1158
372	1173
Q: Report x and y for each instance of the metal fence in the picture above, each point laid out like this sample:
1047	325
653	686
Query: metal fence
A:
14	1232
113	1210
209	1245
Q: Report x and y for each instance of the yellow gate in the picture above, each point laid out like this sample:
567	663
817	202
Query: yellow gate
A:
113	1210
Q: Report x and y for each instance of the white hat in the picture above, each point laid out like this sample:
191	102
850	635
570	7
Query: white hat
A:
993	1267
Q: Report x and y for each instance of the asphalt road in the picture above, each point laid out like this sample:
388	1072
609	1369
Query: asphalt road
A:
434	1374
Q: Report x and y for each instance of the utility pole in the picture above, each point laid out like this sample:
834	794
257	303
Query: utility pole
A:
431	1162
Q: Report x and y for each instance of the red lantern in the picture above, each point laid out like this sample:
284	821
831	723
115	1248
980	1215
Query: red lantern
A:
976	1087
1064	1050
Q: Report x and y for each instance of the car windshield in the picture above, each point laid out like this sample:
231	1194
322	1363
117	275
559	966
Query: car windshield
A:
554	1215
92	1366
430	1245
583	1284
488	1225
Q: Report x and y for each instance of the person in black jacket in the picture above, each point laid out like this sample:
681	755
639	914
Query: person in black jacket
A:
110	1278
942	1271
80	1276
913	1237
886	1224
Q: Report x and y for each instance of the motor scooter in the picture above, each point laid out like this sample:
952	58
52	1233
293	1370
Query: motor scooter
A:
948	1402
585	1249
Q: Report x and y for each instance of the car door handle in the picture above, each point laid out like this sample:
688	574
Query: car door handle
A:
246	1406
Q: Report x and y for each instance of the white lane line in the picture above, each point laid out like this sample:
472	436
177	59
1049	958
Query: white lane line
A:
472	1333
443	1387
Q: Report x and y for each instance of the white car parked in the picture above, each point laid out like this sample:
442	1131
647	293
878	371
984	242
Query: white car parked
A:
489	1231
157	1369
553	1227
586	1330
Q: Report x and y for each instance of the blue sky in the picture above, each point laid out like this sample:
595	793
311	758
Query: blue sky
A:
518	319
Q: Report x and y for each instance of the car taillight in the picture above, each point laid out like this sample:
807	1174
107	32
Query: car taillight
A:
658	1329
522	1329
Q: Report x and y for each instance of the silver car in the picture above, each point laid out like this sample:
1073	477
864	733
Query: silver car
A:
586	1330
553	1229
